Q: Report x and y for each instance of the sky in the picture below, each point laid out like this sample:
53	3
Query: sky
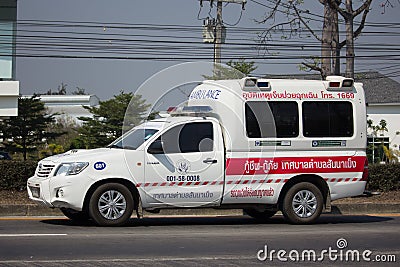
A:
107	46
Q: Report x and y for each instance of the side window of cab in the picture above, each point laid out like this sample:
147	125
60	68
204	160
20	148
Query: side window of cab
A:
186	138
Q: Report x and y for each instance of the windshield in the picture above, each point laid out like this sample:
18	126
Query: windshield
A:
133	139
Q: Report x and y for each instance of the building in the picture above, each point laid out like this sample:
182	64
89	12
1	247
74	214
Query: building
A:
383	103
69	106
9	87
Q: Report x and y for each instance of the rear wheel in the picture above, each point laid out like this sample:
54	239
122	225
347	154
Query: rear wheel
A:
74	215
302	203
260	215
111	205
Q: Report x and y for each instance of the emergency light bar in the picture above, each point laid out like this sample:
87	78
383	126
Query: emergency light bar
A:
254	84
347	83
339	83
196	111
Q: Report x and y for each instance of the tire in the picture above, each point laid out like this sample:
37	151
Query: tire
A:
76	216
111	205
302	203
260	215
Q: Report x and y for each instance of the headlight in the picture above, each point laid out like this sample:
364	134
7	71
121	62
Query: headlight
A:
71	168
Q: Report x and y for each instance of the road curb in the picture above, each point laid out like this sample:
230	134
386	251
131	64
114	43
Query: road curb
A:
345	209
27	210
365	208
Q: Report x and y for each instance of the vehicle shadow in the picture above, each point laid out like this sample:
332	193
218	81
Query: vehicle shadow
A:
226	220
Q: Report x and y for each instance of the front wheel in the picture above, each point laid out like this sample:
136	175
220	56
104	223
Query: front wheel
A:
302	203
111	205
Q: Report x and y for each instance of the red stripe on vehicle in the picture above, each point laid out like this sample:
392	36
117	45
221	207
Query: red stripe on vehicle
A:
268	181
288	165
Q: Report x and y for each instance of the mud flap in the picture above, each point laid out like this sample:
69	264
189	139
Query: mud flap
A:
328	206
139	210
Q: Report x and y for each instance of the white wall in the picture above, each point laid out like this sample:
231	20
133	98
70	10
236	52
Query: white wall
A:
9	92
390	113
6	50
69	106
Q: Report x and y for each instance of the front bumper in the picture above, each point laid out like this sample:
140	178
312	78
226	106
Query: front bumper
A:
57	191
38	191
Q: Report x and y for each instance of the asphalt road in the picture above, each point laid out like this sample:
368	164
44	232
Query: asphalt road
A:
198	241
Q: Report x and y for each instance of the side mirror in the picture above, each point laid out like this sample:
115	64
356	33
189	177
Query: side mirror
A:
156	147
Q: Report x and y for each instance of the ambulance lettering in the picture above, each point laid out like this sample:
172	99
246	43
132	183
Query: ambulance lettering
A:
205	94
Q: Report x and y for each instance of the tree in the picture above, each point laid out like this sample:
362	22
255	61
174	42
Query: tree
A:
61	90
238	69
349	15
69	127
27	131
79	91
110	119
381	127
244	67
51	149
378	153
297	21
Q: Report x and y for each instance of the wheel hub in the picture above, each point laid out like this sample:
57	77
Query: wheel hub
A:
304	203
112	205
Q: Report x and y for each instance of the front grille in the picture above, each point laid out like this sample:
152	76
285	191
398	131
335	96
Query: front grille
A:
44	170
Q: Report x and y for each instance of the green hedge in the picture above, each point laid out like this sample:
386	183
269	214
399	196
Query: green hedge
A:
14	173
385	177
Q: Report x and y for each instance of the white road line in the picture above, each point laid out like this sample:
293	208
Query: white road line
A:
122	260
30	235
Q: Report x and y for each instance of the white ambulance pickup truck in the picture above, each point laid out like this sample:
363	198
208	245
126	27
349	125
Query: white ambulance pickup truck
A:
261	145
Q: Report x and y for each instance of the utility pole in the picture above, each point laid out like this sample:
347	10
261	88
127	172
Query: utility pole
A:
218	34
218	28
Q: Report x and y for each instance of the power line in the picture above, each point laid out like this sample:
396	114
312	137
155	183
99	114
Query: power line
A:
127	41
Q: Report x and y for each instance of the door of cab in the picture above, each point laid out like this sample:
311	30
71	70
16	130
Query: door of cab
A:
184	166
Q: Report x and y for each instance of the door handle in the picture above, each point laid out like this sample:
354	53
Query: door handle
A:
211	161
